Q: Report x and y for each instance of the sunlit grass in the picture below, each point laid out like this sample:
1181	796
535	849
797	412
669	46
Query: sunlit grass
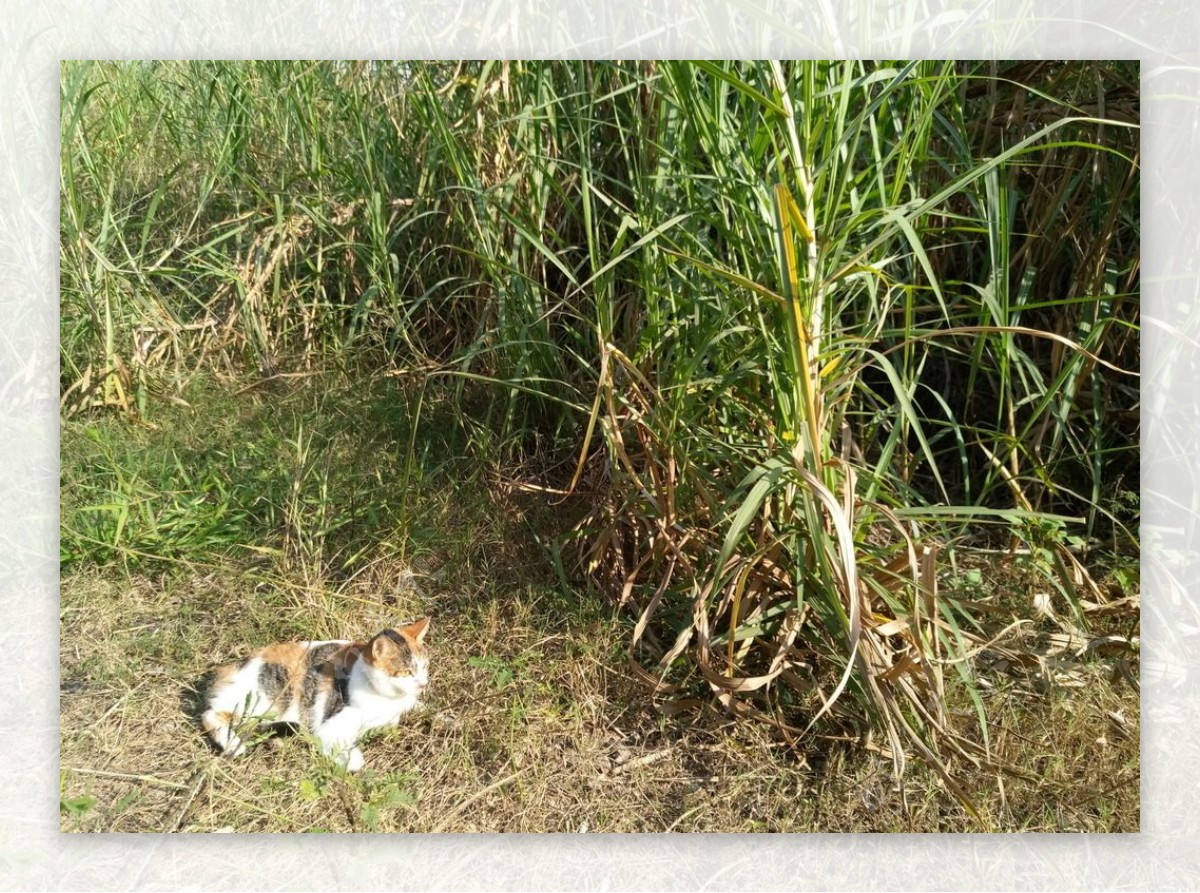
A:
782	339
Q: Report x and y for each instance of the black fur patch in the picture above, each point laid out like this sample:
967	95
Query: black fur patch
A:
273	682
320	654
310	688
396	637
339	694
321	667
316	669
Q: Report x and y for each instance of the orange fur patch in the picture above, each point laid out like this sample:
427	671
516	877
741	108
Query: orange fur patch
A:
416	631
223	677
223	719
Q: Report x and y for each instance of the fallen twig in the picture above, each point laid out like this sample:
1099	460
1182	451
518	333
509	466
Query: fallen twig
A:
197	782
149	779
646	759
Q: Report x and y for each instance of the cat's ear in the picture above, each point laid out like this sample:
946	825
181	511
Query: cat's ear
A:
417	630
379	647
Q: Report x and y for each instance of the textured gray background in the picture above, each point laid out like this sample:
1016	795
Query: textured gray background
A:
34	36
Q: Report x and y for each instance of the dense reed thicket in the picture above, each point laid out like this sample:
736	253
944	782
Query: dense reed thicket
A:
779	335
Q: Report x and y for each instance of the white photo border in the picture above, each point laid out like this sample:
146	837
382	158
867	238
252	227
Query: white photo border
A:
36	36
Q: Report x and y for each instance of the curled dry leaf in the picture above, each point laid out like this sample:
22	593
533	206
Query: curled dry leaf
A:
1043	605
1109	646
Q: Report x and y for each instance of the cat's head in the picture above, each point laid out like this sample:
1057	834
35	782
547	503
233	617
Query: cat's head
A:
398	660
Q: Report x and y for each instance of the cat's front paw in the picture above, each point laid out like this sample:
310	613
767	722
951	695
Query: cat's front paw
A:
351	760
234	747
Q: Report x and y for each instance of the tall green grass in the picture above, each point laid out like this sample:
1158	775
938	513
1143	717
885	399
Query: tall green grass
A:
786	332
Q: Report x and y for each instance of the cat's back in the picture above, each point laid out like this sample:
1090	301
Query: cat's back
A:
284	659
285	678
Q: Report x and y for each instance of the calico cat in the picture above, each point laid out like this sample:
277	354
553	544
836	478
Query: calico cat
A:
338	690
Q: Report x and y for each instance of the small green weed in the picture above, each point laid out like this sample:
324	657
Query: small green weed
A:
501	670
389	793
76	807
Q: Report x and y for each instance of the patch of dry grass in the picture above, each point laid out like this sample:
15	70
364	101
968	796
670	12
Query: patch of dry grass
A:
533	725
